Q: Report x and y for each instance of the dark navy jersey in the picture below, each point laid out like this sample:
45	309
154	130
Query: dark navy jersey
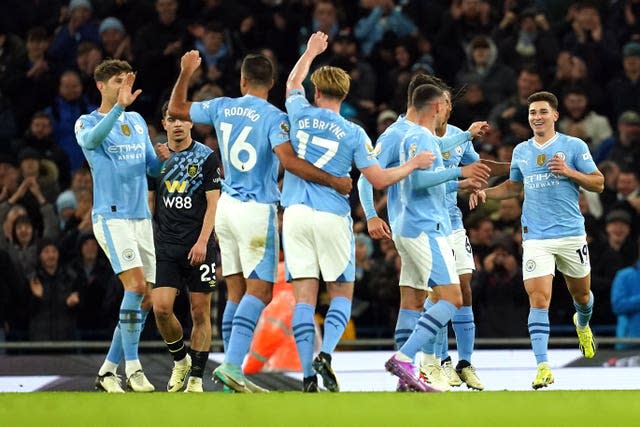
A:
180	199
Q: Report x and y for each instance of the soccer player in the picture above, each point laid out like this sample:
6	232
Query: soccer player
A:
423	226
117	146
459	143
551	167
185	197
253	135
317	227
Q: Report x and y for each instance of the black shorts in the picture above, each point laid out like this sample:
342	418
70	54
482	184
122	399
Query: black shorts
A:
173	269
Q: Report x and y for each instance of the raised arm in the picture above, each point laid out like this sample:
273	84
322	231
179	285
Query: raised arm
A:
315	46
92	138
178	105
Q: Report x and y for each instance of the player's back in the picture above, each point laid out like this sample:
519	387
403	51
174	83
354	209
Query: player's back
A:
422	210
550	208
119	166
388	155
463	154
248	128
329	142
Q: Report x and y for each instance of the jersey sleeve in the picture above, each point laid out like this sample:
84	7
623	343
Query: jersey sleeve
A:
90	134
470	155
364	154
210	173
515	173
279	131
582	158
152	183
204	112
296	102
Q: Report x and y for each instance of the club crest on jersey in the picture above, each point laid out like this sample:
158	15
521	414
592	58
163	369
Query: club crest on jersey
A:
446	155
540	159
192	169
413	148
560	155
284	127
459	150
126	130
138	129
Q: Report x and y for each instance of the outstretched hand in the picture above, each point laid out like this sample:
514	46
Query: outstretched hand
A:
190	62
317	43
476	198
126	96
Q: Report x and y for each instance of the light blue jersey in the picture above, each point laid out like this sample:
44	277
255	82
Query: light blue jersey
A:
550	207
423	206
330	143
388	149
120	154
462	154
248	129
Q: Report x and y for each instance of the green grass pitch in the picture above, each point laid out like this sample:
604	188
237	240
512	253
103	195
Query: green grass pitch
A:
540	409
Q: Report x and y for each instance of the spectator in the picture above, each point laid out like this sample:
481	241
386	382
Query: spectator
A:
67	106
582	122
499	284
512	115
95	313
464	20
571	71
157	48
624	147
625	301
592	42
39	137
624	20
498	81
480	232
77	27
40	78
623	91
88	57
507	218
54	297
13	57
526	40
216	54
383	17
618	224
116	43
472	105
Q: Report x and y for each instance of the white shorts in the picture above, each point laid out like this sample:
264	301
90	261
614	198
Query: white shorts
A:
570	254
317	242
248	238
426	262
462	252
128	243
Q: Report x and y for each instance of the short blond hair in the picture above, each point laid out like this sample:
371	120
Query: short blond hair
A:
333	82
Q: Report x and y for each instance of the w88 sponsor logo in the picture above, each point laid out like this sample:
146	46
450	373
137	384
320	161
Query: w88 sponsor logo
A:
178	202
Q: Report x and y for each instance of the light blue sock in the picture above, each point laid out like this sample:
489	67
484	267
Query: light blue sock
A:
116	353
405	324
427	328
538	324
130	324
465	328
584	311
335	323
304	332
244	324
442	343
227	322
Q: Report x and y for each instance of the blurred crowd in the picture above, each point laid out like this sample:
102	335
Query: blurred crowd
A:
56	284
